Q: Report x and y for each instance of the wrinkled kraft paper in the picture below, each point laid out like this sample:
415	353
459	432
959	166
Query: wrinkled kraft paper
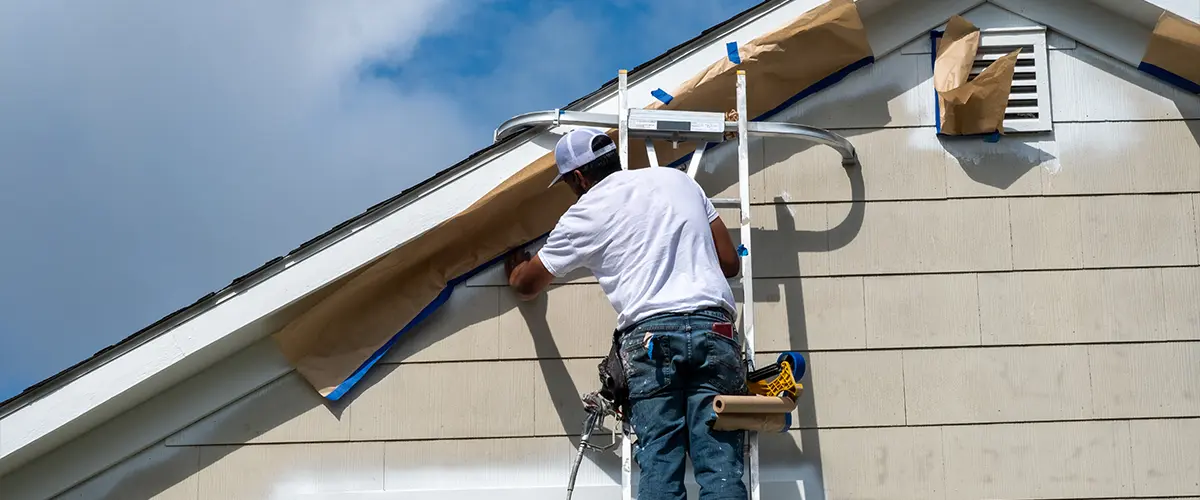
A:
976	106
778	65
1175	47
332	340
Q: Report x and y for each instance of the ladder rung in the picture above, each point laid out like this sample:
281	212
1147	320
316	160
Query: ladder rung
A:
726	202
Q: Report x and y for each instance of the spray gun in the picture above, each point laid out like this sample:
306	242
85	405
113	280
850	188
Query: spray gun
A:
598	408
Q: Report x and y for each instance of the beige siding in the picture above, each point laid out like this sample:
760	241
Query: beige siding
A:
803	229
1082	306
893	92
1015	166
897	317
1046	233
1088	86
445	400
1181	319
1165	457
489	463
809	313
904	163
918	237
1145	157
1146	380
1137	231
954	386
836	397
1059	460
539	329
285	471
465	327
893	463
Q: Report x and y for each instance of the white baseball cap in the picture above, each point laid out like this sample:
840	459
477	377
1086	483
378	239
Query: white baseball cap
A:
575	149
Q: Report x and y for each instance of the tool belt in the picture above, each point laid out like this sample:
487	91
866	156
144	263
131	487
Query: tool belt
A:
614	385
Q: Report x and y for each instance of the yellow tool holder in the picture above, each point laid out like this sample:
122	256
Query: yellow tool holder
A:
790	367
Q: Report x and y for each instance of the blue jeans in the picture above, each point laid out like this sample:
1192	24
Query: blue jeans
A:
676	364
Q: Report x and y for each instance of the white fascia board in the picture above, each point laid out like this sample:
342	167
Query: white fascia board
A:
1119	37
180	351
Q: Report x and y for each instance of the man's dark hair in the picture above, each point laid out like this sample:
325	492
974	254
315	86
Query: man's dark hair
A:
604	165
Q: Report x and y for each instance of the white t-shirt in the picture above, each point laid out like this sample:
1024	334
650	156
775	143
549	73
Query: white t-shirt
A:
645	235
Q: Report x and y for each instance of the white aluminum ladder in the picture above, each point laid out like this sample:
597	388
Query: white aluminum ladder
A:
683	126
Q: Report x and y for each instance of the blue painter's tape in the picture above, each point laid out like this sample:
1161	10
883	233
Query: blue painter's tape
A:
743	251
732	49
934	36
1169	77
993	137
812	89
433	306
662	95
444	296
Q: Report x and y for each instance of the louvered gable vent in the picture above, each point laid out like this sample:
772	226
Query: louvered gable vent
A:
1029	103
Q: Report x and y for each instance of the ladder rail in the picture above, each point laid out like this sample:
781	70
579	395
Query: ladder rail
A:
747	275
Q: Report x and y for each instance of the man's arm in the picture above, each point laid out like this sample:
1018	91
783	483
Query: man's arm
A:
527	276
727	256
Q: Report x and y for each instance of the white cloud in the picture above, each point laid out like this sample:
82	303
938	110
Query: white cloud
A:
152	151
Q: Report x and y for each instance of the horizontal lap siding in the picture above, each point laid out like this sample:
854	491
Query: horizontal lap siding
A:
842	389
1052	460
1009	320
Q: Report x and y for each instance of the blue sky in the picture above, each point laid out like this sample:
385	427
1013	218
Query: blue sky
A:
150	152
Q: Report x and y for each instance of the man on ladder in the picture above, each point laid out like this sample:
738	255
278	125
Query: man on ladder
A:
662	255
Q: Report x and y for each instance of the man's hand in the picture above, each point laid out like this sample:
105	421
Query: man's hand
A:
513	260
526	274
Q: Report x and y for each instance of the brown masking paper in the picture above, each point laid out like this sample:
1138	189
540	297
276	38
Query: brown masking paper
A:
330	341
752	404
976	106
778	65
1175	47
758	422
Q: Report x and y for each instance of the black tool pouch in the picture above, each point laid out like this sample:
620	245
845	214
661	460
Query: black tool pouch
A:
613	384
